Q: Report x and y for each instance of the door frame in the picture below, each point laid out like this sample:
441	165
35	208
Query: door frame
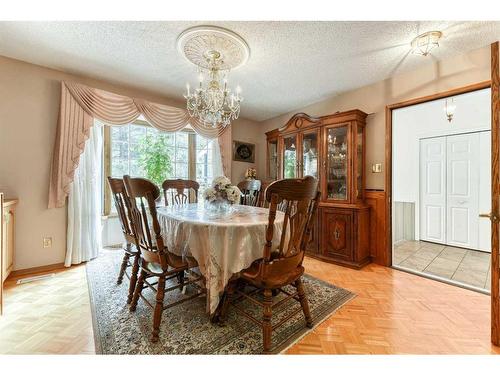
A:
387	258
495	193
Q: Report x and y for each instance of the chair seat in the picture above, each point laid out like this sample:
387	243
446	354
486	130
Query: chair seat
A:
183	264
130	249
251	275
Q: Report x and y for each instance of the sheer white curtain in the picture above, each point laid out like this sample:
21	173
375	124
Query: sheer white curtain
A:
84	203
218	169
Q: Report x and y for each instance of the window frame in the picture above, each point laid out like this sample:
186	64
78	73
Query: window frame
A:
106	196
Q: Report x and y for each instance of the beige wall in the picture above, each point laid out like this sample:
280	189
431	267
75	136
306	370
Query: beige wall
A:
437	76
247	131
29	97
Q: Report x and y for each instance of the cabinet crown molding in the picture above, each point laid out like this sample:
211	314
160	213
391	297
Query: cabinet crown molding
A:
302	120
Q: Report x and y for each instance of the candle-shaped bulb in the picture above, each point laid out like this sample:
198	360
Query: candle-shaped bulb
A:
187	87
200	77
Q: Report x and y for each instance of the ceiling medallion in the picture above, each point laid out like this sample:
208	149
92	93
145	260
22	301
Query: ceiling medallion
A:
424	43
215	51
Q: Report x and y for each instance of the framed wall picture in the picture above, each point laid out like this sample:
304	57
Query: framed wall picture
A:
243	152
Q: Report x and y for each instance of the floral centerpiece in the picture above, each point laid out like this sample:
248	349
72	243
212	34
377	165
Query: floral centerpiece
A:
251	174
222	195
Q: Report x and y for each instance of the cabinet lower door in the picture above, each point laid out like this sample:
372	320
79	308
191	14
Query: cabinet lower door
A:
337	234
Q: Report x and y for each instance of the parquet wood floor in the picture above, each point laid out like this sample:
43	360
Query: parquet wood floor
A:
50	316
399	313
394	312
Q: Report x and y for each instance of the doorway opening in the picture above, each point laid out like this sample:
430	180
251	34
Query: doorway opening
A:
441	189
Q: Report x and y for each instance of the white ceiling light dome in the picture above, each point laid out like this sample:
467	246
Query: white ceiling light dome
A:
424	43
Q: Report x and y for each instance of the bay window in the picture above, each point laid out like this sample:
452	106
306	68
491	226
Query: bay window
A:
139	150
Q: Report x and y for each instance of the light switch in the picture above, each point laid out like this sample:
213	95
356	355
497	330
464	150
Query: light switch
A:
377	168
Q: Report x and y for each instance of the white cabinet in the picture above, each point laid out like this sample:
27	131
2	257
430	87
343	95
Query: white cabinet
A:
8	227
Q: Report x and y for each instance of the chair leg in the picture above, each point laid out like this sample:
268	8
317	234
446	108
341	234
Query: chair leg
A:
266	324
180	277
303	302
158	309
133	278
138	290
123	268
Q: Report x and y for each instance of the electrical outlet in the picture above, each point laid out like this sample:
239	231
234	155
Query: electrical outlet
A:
47	242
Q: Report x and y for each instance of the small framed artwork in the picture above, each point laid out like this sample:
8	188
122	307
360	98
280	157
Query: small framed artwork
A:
243	152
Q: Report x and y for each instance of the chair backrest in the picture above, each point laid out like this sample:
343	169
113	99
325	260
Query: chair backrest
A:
149	241
250	190
180	191
122	204
298	200
262	194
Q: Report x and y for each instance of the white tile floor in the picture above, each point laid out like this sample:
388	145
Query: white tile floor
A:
467	266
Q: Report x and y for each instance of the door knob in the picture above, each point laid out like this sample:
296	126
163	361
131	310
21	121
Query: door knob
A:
491	216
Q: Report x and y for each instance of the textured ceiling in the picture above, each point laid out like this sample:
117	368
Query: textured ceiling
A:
292	64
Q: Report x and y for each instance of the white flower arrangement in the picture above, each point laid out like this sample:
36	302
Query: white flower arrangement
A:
233	194
209	194
222	190
221	182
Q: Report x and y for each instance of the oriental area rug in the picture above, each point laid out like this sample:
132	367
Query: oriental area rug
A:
186	328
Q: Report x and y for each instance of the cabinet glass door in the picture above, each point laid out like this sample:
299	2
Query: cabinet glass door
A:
336	163
272	152
309	164
290	156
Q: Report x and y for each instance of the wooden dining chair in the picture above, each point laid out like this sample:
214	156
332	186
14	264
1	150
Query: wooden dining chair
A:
131	256
262	194
154	258
281	264
180	191
250	191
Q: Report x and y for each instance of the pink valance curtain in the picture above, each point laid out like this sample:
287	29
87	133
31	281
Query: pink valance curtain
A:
80	104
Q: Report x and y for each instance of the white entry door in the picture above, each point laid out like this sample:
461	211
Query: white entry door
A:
433	189
462	227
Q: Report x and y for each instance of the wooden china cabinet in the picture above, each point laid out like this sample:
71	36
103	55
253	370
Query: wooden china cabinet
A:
332	149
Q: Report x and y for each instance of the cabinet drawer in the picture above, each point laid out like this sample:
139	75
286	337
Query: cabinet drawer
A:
337	234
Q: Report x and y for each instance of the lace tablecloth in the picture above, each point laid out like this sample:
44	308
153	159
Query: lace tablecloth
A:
222	245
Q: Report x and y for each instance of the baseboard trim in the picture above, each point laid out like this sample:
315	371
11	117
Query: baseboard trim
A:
26	271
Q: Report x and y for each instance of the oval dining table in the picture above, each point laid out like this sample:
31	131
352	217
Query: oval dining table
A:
223	245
